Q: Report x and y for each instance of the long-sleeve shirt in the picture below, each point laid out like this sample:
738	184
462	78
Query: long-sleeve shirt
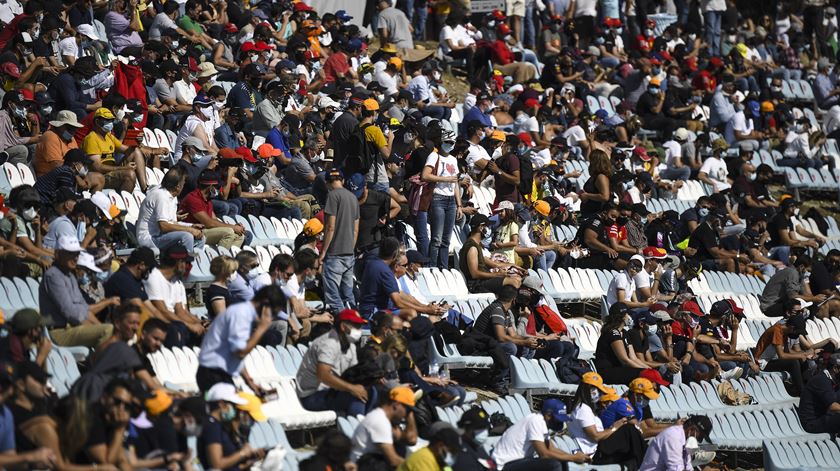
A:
68	95
227	335
666	452
722	110
61	299
8	136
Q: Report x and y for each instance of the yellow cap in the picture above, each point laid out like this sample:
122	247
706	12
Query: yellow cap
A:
767	106
742	49
371	104
644	386
158	403
595	380
253	407
313	227
542	207
498	135
610	396
403	395
396	61
390	48
103	113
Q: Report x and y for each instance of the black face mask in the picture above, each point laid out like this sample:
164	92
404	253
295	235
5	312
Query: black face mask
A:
555	425
621	220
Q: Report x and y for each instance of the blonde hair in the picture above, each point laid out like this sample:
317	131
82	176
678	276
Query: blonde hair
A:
222	267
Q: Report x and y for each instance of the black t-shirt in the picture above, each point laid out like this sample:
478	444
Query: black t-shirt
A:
645	106
161	436
821	279
215	292
192	172
99	433
21	416
640	344
376	206
342	128
146	364
778	223
689	214
819	393
213	432
40	48
706	328
123	284
596	224
704	239
605	357
590	207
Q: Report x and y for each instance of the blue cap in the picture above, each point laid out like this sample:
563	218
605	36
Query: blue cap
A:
343	16
645	316
601	114
556	408
354	44
356	184
201	99
286	64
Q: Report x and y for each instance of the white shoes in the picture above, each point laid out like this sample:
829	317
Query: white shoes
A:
701	458
734	373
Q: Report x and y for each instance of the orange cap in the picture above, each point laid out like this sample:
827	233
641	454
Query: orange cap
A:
403	395
266	151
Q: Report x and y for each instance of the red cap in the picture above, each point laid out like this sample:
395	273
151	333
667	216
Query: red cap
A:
716	61
531	102
498	15
658	307
654	252
28	95
692	307
261	46
503	29
526	139
246	154
654	377
641	153
247	46
612	22
691	62
735	308
300	6
228	153
655	61
231	28
10	69
650	24
351	315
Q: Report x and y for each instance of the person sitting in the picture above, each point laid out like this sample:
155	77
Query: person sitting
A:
107	154
68	216
774	346
218	445
647	280
633	405
819	407
319	383
718	338
675	280
439	455
485	275
26	336
645	332
55	142
377	433
706	242
614	358
677	446
622	288
217	297
12	451
151	338
523	446
622	443
158	225
475	423
198	206
166	292
127	282
74	322
379	289
785	285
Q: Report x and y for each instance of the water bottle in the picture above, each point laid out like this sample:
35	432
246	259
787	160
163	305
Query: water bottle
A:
434	369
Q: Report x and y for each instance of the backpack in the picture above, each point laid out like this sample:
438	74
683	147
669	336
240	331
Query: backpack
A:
360	154
570	370
731	396
526	175
551	319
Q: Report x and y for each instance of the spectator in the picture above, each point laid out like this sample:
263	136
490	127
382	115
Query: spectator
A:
217	296
158	225
677	446
784	286
441	169
614	358
13	117
379	289
26	336
127	282
475	423
218	445
68	218
54	144
622	288
647	280
199	209
632	405
13	453
394	26
440	454
333	452
774	346
165	289
341	229
376	433
818	405
484	275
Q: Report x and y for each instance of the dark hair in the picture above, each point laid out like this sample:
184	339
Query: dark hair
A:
216	91
195	406
123	310
304	259
271	295
389	248
113	101
172	179
170	7
245	256
507	294
154	324
117	383
789	303
335	448
281	262
802	261
615	317
379	321
583	395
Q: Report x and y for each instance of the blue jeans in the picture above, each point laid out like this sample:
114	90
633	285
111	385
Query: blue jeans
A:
224	208
780	253
182	238
713	20
442	221
340	402
419	12
437	112
338	280
529	34
421	231
546	260
681	173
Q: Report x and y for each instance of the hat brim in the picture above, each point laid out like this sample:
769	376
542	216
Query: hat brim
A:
57	124
652	395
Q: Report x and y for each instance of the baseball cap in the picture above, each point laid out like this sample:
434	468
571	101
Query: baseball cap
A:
193	141
390	48
526	139
246	154
158	403
654	252
681	134
224	392
619	308
725	306
654	82
478	220
7	372
641	153
253	406
267	150
594	379
64	194
542	207
103	113
11	69
653	376
692	307
662	315
25	320
356	184
414	256
531	102
313	227
404	395
103	202
351	315
68	244
640	209
504	204
646	317
644	386
498	135
86	260
522	212
802	303
637	258
343	16
556	408
701	423
610	396
87	30
477	419
602	114
370	104
300	6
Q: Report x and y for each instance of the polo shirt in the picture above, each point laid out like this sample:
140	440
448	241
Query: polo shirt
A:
188	24
123	284
59	227
241	96
377	285
47	184
104	146
194	203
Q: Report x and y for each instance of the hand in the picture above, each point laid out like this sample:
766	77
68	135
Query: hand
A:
674	367
196	233
238	229
581	457
612	253
265	318
41	457
246	452
197	329
533	343
114	301
36	221
359	392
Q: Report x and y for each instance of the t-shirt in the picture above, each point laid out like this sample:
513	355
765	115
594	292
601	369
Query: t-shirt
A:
779	223
123	284
765	348
421	460
716	169
104	146
640	344
783	285
377	172
375	429
213	432
493	315
517	441
507	191
820	279
619	409
7	431
335	67
621	281
49	153
377	285
376	206
704	238
345	207
817	396
325	349
504	234
443	166
583	417
398	26
605	357
161	23
171	293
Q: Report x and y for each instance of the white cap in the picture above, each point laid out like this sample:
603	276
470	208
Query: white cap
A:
87	30
68	244
516	88
681	134
224	392
327	102
88	261
504	204
102	202
804	304
638	258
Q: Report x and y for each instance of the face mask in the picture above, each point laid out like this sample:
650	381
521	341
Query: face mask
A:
482	436
354	335
619	30
66	135
447	146
521	150
497	153
648	32
380	97
207	112
309	279
233	276
103	276
436	75
595	395
120	114
491	24
29	214
137	118
20	113
47	110
84	280
731	38
218	105
691	445
228	414
628	323
796	212
192	429
253	274
196	157
621	221
480	136
653	90
254	57
652	330
83	171
485	233
703	212
656	71
108	127
449	459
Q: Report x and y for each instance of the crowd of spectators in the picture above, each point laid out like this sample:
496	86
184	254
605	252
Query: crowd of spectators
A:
148	138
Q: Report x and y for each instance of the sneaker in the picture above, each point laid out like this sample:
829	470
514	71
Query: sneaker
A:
701	458
734	373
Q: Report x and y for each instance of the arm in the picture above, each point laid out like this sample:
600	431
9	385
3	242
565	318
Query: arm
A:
389	452
602	183
262	327
329	232
549	452
621	352
429	176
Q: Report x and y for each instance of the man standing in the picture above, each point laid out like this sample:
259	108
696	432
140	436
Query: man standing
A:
341	228
676	446
394	26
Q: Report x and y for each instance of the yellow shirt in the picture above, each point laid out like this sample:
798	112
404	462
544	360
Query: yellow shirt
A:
421	460
95	144
374	134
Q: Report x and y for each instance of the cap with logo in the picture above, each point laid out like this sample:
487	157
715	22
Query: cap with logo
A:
475	419
556	409
594	379
313	227
404	395
224	392
645	387
653	376
351	315
356	184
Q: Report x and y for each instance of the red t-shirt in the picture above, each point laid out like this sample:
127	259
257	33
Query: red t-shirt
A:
193	203
335	65
616	232
501	53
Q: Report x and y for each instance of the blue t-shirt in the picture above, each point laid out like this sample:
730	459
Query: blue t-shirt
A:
378	283
7	431
212	432
241	96
276	139
618	409
475	114
123	284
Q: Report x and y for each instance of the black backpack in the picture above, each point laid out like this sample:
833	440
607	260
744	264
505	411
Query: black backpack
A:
571	370
526	174
360	154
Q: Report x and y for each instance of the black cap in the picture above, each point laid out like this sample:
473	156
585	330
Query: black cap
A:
702	423
640	209
475	418
86	66
33	370
251	70
645	316
375	86
208	177
87	208
478	220
143	255
414	256
619	308
449	437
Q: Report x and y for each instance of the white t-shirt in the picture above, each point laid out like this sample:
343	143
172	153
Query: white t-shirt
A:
621	281
586	8
673	149
476	152
541	158
184	92
389	82
459	35
525	123
443	167
159	205
373	430
171	293
741	124
583	417
574	135
715	168
516	443
68	47
188	129
643	279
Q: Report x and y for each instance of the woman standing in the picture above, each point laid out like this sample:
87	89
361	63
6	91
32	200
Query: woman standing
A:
441	169
217	296
596	190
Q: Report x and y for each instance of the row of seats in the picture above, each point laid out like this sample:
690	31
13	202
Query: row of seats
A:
15	175
747	430
537	377
17	293
795	455
812	179
448	285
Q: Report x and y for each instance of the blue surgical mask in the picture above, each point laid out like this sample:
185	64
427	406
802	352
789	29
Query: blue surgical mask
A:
20	113
447	146
703	212
197	157
254	273
652	330
84	280
653	90
66	135
108	127
482	436
228	414
103	276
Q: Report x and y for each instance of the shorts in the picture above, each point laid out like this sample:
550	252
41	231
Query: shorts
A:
515	8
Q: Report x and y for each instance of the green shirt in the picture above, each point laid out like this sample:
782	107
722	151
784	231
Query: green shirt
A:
187	24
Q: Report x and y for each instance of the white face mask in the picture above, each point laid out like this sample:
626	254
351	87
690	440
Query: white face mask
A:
207	111
354	335
218	105
482	436
691	445
497	153
436	75
233	276
796	212
595	395
29	214
449	459
120	114
628	323
652	330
